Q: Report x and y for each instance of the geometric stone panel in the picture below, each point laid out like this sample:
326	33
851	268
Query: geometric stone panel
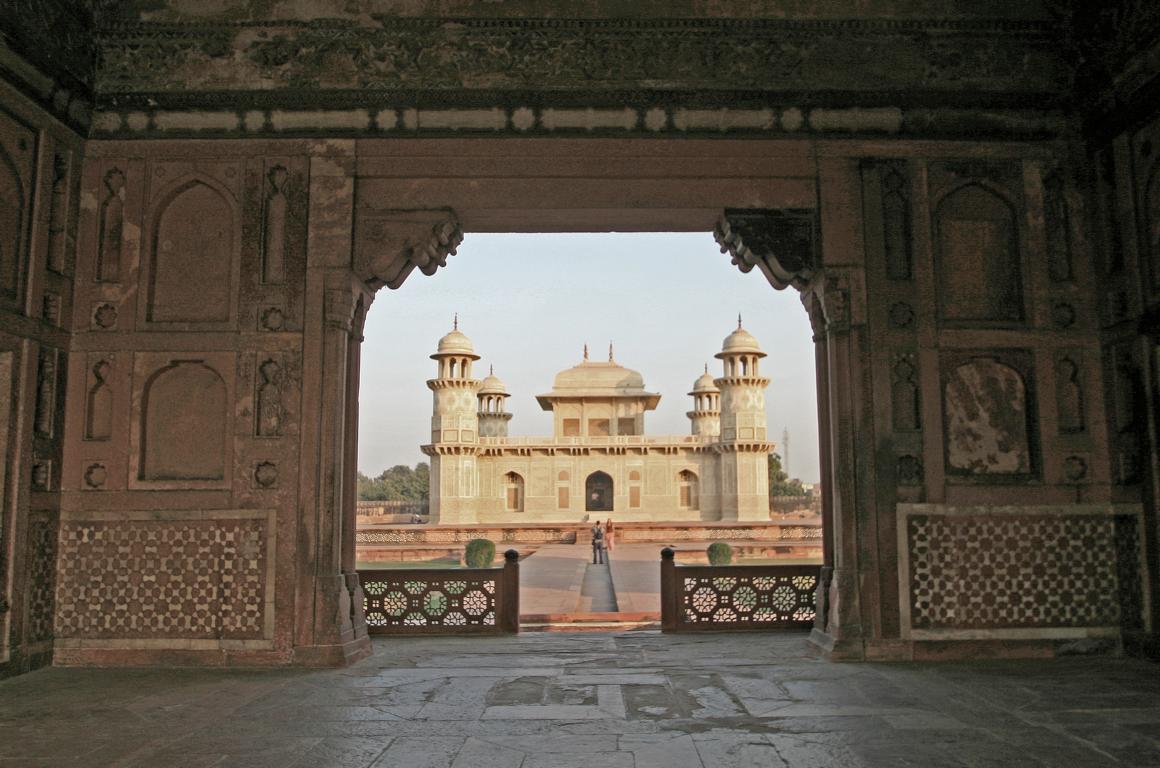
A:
746	597
426	602
987	572
162	579
41	578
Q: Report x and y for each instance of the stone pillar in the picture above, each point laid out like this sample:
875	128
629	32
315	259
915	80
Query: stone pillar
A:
782	246
839	370
350	464
325	631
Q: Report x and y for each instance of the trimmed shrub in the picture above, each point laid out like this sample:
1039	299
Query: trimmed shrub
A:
720	553
480	553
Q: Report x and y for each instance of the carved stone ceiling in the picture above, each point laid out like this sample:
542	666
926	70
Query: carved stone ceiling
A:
300	10
937	67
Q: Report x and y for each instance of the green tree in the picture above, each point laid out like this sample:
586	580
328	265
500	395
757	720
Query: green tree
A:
399	483
780	483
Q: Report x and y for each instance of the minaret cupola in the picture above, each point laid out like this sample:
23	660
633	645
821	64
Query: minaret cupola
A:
706	413
493	415
454	417
742	387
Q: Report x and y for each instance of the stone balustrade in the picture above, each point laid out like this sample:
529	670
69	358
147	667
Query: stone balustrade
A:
638	533
426	601
733	597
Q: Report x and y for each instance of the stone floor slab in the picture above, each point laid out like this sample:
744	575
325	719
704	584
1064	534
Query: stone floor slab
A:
633	699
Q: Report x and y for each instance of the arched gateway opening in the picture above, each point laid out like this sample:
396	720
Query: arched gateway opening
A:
769	224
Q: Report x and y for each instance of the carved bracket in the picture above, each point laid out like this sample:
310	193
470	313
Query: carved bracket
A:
779	243
391	244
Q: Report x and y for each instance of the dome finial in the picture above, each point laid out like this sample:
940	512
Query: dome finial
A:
706	367
610	352
738	321
491	370
455	324
585	350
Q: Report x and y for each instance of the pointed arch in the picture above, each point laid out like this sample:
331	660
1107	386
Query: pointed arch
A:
12	205
186	398
688	488
193	255
514	492
977	244
598	492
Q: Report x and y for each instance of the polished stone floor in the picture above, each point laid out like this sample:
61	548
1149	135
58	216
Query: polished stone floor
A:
560	700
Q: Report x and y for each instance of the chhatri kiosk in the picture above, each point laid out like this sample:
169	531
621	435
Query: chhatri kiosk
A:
599	461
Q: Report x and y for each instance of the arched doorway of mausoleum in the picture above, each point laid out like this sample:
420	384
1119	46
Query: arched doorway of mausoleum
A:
598	493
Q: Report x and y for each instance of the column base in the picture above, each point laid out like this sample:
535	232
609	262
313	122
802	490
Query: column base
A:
833	648
338	655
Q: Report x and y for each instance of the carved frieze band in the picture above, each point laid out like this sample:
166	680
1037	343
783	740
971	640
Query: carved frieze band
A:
391	52
779	243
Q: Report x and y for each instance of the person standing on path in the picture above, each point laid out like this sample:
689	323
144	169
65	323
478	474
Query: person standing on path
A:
598	544
608	531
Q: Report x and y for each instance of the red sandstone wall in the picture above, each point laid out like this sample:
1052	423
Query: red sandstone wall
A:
181	473
1124	179
39	165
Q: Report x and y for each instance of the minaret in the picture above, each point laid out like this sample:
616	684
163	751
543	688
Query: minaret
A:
743	446
706	413
493	415
454	431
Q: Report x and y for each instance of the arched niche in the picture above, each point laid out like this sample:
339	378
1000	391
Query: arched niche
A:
192	256
977	242
11	221
1152	219
184	422
513	492
598	492
987	411
688	487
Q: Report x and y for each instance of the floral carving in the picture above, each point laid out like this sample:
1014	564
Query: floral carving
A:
551	53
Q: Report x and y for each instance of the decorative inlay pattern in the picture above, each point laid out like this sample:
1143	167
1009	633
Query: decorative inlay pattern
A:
435	536
402	602
971	572
553	53
41	578
1127	533
722	534
747	596
162	579
427	535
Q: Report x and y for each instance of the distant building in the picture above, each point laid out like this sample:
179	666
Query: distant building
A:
598	460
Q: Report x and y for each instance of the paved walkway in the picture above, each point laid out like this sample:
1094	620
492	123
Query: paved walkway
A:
559	700
636	576
559	580
551	578
596	593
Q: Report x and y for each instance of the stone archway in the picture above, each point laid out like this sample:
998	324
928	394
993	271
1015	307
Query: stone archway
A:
771	225
598	492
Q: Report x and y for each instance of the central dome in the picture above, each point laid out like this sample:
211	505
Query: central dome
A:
598	381
589	377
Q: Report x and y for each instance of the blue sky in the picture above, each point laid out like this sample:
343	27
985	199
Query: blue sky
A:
529	302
